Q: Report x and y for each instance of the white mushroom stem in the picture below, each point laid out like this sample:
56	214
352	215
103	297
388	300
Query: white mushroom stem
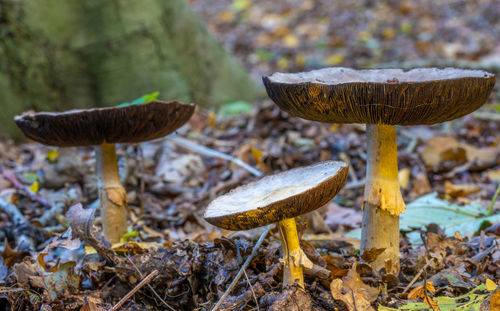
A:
112	195
382	200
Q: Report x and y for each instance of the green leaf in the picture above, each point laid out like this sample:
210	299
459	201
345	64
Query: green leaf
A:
141	100
236	108
264	55
470	301
127	236
429	209
30	177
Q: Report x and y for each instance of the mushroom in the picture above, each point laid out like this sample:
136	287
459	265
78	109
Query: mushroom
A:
381	98
103	127
279	199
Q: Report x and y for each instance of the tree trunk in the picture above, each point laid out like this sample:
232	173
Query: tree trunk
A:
56	55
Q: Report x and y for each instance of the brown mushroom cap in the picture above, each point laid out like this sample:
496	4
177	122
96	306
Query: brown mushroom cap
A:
128	124
278	197
380	96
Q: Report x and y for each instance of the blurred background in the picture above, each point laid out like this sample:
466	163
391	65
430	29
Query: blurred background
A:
56	55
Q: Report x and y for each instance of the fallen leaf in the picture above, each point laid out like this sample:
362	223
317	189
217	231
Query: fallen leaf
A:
52	155
371	254
443	153
494	175
34	187
490	285
404	177
456	191
418	291
355	294
334	59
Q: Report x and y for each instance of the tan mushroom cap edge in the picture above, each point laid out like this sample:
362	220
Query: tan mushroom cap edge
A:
86	127
277	197
380	96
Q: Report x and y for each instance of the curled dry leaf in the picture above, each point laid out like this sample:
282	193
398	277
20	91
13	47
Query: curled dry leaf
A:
456	191
81	221
443	153
355	294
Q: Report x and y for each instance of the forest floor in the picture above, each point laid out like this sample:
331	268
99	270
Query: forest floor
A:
450	235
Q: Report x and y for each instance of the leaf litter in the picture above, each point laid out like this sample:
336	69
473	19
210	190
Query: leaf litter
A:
67	265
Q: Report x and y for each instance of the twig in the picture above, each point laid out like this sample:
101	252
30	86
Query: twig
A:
417	276
251	288
23	230
243	268
355	184
14	214
212	153
47	216
492	203
13	179
146	280
151	287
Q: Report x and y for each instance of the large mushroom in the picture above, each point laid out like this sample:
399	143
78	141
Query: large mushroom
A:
382	99
279	199
103	127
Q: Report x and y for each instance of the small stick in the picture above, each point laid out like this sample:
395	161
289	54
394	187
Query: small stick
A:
251	288
13	212
212	153
13	179
150	287
21	237
492	203
417	276
242	269
146	280
355	184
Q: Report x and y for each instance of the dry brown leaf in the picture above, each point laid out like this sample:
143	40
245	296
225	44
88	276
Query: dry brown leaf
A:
421	185
482	158
456	191
443	153
11	256
494	175
418	292
370	254
495	300
355	294
431	303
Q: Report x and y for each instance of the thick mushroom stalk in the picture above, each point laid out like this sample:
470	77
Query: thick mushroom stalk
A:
112	195
382	200
295	258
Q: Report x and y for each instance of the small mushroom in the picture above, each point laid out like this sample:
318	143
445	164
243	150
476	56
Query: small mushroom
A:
103	127
279	199
381	98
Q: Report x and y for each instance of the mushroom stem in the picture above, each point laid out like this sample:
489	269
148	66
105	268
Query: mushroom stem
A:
382	200
112	195
292	271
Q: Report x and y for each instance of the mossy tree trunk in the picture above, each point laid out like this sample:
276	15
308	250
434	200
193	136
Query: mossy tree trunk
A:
57	54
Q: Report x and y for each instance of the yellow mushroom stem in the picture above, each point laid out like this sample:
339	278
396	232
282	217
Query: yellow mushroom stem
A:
382	199
292	270
112	195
